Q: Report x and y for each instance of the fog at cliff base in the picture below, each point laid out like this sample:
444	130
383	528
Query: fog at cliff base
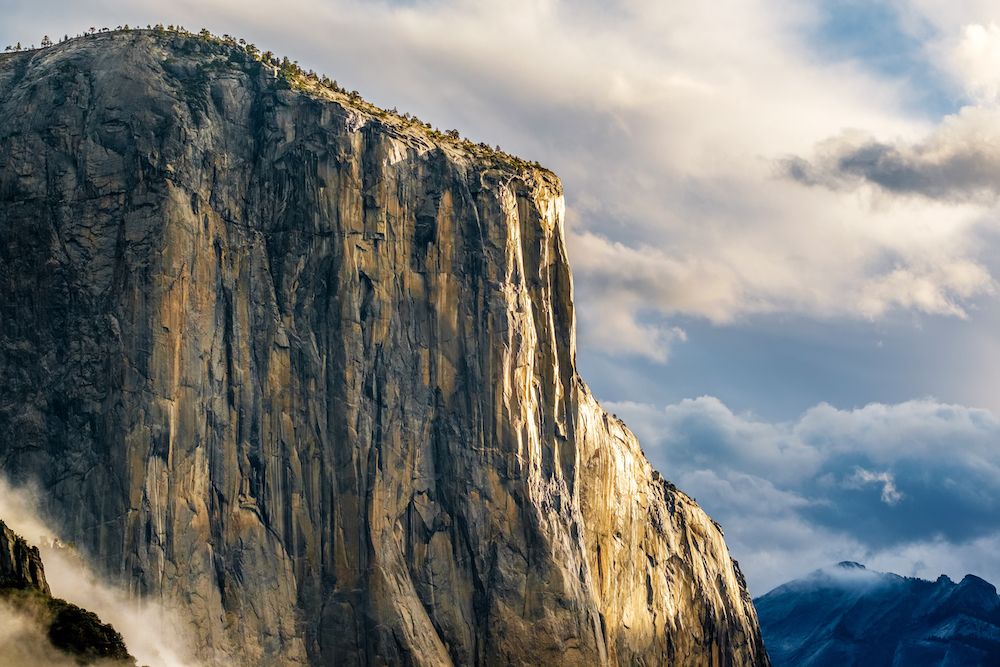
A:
151	629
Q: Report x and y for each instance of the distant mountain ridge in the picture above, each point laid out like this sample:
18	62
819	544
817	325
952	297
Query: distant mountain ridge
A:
849	615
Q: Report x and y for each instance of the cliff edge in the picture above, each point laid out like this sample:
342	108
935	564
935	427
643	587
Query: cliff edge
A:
307	370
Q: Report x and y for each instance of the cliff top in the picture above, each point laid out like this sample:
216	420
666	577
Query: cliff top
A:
238	54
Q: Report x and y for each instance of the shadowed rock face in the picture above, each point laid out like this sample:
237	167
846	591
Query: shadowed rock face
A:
20	564
309	373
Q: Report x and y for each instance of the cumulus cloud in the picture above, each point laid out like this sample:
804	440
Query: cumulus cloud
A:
913	487
975	61
890	494
665	128
958	162
152	631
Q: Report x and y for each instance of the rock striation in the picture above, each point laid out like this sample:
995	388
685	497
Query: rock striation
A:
307	370
848	615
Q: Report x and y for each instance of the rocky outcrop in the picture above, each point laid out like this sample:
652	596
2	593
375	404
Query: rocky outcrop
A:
308	370
668	591
849	615
38	629
20	563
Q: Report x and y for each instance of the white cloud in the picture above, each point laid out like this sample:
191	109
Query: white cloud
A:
912	487
954	164
936	290
976	59
890	494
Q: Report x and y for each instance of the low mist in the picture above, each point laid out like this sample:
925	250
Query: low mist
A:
152	631
23	641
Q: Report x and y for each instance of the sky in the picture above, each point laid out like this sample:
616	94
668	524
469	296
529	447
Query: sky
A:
782	222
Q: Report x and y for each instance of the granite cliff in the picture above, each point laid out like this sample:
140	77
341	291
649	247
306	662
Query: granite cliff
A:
307	370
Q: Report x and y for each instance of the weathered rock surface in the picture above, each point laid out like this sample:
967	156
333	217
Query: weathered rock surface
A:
308	371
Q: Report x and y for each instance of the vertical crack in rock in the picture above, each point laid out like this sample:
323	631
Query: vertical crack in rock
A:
308	372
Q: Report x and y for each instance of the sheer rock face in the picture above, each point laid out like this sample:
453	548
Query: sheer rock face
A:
309	373
20	564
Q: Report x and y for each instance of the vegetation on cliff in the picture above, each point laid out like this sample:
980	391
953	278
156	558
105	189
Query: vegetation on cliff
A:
239	53
71	630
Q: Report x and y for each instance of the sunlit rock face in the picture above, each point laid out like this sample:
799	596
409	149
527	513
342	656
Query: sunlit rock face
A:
849	615
307	370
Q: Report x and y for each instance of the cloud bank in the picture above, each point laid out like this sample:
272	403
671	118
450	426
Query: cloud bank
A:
913	487
959	162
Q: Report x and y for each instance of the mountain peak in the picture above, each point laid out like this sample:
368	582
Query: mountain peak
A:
850	565
973	587
973	580
879	618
